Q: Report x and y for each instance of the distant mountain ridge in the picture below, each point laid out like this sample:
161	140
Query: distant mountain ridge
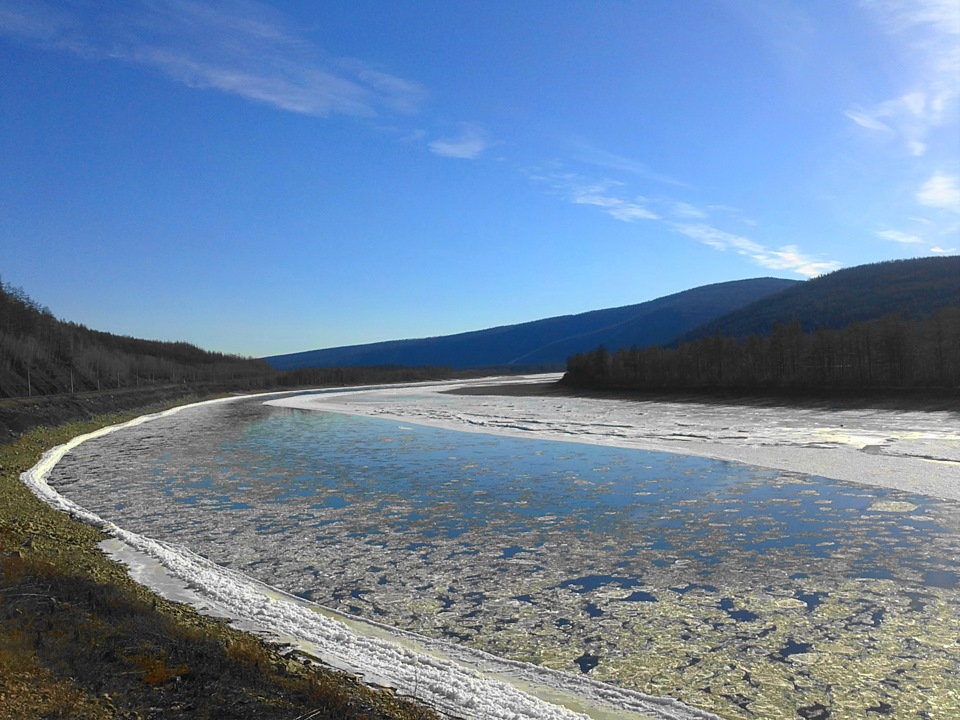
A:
549	342
915	288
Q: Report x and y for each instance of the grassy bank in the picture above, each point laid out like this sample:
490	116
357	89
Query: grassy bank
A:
80	639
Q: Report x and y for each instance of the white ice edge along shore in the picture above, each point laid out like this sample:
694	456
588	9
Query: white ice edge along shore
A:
459	681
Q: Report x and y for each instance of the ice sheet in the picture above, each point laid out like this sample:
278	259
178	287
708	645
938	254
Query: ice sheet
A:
456	680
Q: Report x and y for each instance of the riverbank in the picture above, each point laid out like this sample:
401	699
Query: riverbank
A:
80	639
17	415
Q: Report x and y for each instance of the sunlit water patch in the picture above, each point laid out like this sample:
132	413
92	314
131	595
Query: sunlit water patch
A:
749	592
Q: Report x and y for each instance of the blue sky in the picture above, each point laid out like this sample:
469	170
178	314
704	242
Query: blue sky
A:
268	177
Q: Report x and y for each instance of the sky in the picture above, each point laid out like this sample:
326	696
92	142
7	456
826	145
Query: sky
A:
266	177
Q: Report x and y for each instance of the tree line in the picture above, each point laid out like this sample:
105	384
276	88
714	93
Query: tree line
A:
41	355
361	375
888	352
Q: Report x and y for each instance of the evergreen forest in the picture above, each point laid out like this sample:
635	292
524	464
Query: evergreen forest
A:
888	325
889	352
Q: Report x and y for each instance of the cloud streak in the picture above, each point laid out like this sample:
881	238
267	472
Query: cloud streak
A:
788	257
591	155
600	196
468	144
238	47
681	217
930	31
900	237
907	117
941	191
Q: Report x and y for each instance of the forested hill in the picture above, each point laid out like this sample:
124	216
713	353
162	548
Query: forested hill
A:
40	355
914	288
548	343
874	327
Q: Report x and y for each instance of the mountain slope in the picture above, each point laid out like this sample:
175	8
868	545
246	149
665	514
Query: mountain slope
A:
41	355
915	288
553	340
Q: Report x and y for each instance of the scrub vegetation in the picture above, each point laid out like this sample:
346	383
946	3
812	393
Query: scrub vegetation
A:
80	639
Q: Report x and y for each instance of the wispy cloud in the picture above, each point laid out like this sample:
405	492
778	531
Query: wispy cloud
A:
589	154
605	195
870	119
608	196
945	251
601	195
239	47
907	116
718	239
900	237
403	96
788	257
941	191
686	210
468	144
930	33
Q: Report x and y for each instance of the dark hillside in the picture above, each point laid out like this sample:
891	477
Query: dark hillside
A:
872	328
41	355
657	321
876	356
548	343
916	289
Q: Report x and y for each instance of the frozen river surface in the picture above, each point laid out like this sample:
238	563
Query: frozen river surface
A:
748	591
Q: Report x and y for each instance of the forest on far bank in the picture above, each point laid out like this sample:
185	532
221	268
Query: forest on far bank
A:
888	352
